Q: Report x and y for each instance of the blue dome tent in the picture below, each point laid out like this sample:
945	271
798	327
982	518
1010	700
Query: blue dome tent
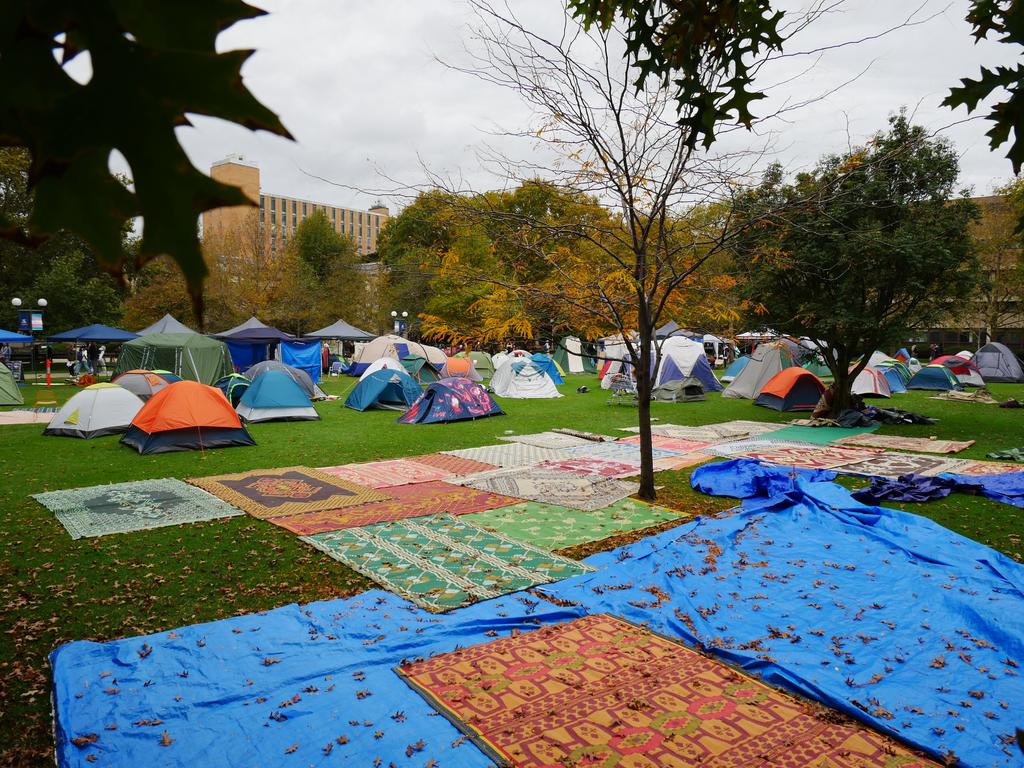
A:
384	389
275	396
936	377
735	367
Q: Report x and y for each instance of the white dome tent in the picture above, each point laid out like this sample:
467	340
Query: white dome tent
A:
522	379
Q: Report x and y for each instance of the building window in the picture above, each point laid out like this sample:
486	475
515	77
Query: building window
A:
261	204
295	222
303	210
273	204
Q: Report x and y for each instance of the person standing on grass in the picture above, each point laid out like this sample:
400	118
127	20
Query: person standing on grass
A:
93	354
5	353
102	358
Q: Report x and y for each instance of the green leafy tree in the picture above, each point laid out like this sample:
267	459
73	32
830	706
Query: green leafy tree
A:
704	48
152	64
1004	20
76	292
870	245
997	302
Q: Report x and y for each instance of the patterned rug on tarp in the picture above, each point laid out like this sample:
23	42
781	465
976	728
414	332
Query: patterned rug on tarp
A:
898	443
599	691
813	456
681	461
712	433
510	454
589	466
750	445
624	452
553	527
444	562
123	507
384	474
668	443
988	468
547	440
266	493
896	464
554	487
454	465
416	500
592	436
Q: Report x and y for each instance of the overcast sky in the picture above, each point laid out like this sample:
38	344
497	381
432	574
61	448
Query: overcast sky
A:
358	86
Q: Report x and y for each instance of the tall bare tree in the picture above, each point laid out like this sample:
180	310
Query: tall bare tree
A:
633	147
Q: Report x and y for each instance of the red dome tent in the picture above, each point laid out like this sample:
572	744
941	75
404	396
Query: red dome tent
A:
791	389
186	416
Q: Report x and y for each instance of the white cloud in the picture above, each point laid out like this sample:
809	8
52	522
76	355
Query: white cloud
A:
359	87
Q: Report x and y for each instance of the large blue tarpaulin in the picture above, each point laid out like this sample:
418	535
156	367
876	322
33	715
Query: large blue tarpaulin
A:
246	690
882	614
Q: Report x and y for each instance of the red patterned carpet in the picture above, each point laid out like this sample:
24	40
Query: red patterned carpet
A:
599	691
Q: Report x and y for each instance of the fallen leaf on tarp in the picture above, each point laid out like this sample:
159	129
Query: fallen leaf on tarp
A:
165	739
85	740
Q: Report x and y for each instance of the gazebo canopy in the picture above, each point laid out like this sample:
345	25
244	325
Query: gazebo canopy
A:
10	337
94	332
341	330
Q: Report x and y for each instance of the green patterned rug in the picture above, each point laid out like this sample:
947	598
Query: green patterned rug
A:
123	507
442	562
554	527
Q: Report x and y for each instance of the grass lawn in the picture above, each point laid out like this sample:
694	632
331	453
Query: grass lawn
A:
54	589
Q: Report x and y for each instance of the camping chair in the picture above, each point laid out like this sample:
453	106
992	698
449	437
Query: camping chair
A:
336	368
622	390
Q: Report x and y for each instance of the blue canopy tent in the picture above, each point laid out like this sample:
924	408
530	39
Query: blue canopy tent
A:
304	355
547	365
384	389
250	342
94	332
10	337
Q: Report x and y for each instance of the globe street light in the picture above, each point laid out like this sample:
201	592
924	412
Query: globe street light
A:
42	303
15	302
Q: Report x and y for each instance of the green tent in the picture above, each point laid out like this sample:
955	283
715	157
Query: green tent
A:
818	368
419	369
187	355
9	392
482	363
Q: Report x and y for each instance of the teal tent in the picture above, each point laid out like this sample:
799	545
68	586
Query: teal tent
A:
937	377
385	388
275	396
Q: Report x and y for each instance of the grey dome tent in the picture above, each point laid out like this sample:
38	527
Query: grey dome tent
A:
165	324
767	361
998	364
188	355
688	390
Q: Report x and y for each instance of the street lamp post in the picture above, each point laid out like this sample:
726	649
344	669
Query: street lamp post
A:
16	302
400	324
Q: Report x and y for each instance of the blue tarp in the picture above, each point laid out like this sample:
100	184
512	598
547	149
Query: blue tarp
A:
245	354
304	355
882	614
1008	488
252	687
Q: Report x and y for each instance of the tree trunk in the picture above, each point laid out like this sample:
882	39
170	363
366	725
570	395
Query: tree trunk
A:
643	388
843	379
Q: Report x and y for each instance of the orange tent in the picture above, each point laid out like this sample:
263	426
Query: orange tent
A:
183	416
461	367
791	389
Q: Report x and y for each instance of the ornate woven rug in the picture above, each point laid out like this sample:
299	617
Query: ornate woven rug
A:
668	443
266	493
454	465
554	527
813	456
510	454
384	474
896	442
588	466
565	489
443	562
750	445
599	691
681	461
124	507
988	468
624	452
896	464
547	440
416	500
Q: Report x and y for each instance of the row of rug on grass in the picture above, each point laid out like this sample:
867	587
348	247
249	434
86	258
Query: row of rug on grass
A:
885	616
